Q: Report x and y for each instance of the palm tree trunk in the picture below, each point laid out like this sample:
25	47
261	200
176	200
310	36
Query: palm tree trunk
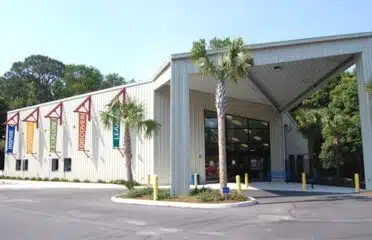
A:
221	106
128	153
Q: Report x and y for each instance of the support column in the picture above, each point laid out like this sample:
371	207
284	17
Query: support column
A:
364	76
179	129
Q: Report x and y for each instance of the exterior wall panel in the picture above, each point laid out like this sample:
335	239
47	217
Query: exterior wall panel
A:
100	161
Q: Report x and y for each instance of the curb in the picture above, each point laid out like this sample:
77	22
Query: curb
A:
250	202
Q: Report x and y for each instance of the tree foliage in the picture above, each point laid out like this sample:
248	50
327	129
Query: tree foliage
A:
330	120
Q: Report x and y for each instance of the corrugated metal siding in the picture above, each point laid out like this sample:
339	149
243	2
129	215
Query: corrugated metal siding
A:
101	162
199	102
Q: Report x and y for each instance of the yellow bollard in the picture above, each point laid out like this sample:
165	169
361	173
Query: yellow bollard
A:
304	182
238	186
148	180
246	180
156	186
196	180
356	181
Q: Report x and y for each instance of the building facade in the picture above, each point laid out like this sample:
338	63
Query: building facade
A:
260	134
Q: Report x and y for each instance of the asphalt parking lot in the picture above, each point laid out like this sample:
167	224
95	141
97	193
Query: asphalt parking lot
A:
89	214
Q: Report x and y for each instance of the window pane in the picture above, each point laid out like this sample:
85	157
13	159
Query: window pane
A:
258	124
67	164
237	135
210	119
236	122
259	135
54	164
211	135
25	164
18	164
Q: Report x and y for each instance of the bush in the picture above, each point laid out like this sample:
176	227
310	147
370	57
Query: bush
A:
101	181
18	178
39	179
130	184
235	195
33	179
55	179
163	194
46	179
63	180
26	178
209	195
196	191
76	180
86	181
139	192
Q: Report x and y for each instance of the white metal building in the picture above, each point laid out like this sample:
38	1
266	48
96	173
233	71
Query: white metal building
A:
183	103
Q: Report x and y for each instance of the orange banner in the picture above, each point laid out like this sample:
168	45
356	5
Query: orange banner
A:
82	130
30	129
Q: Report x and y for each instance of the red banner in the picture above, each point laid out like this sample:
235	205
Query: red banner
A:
82	130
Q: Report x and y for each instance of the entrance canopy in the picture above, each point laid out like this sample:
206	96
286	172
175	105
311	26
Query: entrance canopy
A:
284	74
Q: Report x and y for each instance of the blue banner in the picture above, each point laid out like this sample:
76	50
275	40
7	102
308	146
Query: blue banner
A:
10	139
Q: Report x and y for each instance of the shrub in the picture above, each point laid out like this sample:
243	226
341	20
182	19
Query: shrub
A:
46	179
101	181
63	180
55	179
39	179
163	194
86	181
139	192
26	178
76	180
196	191
130	184
209	195
235	195
33	178
18	178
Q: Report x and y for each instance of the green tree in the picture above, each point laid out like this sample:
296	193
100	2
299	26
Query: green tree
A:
40	71
114	79
230	65
341	131
132	114
3	110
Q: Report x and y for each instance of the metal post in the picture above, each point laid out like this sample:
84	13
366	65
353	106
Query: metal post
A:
304	182
196	180
246	181
356	182
156	185
238	185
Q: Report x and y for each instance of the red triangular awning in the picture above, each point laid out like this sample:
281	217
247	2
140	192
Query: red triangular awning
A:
56	112
13	120
83	108
32	118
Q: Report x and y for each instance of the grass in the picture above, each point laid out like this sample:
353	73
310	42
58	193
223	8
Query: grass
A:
202	195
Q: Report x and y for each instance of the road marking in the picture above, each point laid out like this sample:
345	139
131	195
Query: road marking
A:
212	233
146	233
274	217
19	200
170	230
134	222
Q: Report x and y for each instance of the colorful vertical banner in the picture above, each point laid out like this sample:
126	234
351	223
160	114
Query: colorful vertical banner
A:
30	130
53	126
116	131
82	130
10	139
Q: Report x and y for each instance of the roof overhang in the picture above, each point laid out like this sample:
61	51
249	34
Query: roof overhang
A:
285	72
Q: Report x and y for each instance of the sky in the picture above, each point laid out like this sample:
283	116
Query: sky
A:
133	38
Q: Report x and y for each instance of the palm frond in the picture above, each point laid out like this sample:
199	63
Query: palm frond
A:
149	128
199	55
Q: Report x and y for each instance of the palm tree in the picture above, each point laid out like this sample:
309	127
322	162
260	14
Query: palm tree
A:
231	64
132	114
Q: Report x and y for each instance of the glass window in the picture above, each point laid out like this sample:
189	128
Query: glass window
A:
55	164
259	135
25	165
67	165
210	120
258	124
211	135
18	165
237	135
236	122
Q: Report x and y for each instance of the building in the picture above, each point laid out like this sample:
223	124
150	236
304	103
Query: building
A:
260	134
